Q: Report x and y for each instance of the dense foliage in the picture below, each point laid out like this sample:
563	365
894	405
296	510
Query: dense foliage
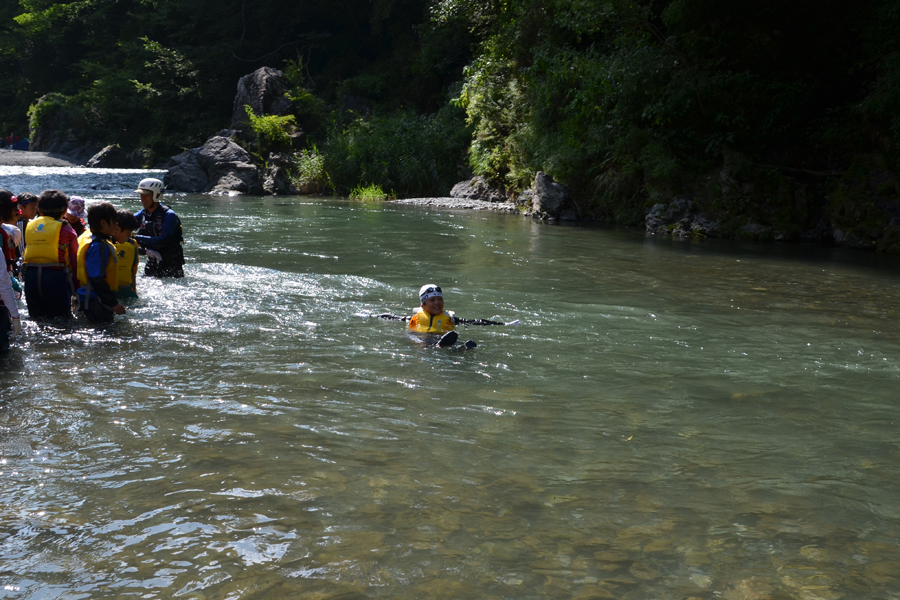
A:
636	101
162	74
794	105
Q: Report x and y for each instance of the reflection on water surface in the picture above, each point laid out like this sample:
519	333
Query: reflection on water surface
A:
669	420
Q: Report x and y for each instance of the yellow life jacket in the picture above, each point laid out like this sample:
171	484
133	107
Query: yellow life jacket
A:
127	261
42	243
84	239
112	274
423	322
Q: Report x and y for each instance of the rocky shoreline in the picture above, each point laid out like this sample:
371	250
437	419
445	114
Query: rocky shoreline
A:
461	203
28	158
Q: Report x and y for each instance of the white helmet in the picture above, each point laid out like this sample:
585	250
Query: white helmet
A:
151	186
429	290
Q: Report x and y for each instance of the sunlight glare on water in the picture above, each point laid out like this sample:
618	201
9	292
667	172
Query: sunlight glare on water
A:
668	420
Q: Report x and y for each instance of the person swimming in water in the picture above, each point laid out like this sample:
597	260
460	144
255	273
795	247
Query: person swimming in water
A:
430	320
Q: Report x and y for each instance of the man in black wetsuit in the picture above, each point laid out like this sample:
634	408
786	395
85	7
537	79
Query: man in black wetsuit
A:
159	235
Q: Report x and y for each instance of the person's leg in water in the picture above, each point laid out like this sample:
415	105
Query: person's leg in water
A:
447	340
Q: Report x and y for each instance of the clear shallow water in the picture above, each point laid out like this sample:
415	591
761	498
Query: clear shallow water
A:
669	420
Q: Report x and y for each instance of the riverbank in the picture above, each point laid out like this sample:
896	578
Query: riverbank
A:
461	203
27	158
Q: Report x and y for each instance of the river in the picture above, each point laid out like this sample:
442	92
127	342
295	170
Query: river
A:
668	420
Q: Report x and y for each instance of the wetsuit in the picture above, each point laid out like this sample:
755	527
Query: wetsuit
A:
51	250
161	231
99	279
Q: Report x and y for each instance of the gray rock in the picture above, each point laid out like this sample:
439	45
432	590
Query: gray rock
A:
276	180
550	199
679	218
113	157
478	188
755	231
185	173
220	166
218	150
264	91
242	178
229	133
228	167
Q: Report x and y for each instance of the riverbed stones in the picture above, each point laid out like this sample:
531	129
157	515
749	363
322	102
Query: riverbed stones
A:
264	92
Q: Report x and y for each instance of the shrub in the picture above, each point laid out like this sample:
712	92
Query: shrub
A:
370	193
272	131
411	153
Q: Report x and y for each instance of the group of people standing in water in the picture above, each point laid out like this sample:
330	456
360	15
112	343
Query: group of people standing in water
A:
63	257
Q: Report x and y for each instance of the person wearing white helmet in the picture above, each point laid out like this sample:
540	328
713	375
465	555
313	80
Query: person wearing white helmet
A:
431	318
159	234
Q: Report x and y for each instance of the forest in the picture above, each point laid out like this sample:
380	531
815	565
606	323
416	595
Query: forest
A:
780	113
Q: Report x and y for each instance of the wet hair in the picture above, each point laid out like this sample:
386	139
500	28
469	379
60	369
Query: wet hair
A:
7	208
26	198
101	211
126	221
53	203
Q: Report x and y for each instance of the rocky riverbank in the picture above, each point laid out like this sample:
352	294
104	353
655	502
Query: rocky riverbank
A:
461	203
27	158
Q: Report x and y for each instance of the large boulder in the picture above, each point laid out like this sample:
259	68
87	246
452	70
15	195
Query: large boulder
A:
478	188
185	173
276	180
550	200
228	167
220	166
679	218
264	92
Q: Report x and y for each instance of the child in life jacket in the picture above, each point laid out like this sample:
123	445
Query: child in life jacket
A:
431	318
9	311
14	241
97	271
126	254
51	250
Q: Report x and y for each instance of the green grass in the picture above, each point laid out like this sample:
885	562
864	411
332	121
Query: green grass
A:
370	193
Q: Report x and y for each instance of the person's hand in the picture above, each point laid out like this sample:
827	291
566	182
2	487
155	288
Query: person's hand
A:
17	326
119	309
154	255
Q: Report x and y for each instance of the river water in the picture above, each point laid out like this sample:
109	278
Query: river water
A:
668	420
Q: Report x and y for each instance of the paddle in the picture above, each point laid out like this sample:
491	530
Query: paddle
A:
456	320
